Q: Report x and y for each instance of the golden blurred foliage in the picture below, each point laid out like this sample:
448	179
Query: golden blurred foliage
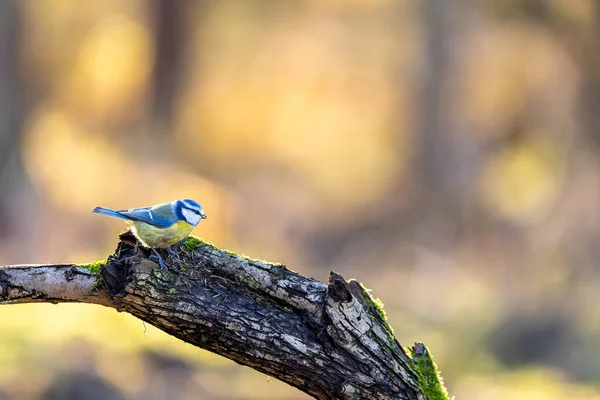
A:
529	384
112	68
523	182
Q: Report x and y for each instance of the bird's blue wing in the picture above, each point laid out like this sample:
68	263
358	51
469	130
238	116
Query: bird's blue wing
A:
159	216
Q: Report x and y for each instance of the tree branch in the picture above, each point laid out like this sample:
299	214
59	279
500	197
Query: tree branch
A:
330	341
50	284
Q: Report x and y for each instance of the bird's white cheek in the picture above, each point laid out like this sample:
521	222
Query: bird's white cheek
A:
190	216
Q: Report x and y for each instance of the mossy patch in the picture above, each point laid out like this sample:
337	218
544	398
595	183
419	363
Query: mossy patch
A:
94	269
255	260
377	306
430	381
193	242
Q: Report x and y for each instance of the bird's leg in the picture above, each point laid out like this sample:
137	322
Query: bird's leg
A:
158	257
173	253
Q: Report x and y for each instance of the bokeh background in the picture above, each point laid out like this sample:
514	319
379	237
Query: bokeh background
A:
445	153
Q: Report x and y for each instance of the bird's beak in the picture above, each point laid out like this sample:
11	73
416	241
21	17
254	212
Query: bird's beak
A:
203	216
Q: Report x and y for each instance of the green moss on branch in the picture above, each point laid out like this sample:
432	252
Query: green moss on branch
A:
193	242
377	306
430	381
94	269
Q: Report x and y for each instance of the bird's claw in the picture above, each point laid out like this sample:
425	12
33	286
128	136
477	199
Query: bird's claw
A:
173	253
157	256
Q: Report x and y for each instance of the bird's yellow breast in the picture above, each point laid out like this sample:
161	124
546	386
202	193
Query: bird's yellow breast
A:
161	237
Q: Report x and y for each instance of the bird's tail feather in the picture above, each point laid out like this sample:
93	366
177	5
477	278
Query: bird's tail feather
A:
109	212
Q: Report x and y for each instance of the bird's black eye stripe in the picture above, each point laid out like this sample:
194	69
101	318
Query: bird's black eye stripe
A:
192	210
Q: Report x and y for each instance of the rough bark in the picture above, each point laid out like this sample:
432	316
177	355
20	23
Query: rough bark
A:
330	341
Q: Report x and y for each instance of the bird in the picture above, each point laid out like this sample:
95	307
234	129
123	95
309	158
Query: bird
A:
162	225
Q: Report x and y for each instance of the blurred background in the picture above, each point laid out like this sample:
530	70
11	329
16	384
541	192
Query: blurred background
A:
445	153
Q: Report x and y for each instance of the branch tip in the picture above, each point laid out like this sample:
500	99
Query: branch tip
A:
338	288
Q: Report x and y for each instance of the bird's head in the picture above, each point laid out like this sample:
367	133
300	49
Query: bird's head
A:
190	211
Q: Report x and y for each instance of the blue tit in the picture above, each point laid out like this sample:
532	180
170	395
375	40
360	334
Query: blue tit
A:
162	225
